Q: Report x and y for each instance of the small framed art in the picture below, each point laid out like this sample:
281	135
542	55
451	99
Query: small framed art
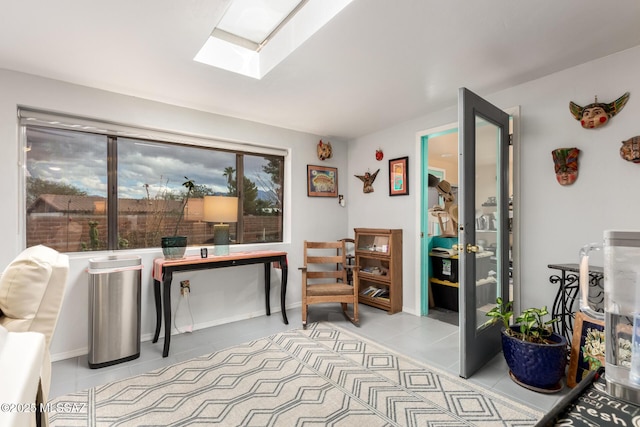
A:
322	181
587	348
399	176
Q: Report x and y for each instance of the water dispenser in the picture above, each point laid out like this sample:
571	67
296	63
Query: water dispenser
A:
621	310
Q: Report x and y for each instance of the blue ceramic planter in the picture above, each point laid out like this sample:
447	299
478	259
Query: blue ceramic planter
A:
537	365
174	247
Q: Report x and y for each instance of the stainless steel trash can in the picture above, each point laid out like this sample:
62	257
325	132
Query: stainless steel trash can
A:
114	310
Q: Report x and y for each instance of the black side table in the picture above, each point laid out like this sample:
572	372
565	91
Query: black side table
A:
568	289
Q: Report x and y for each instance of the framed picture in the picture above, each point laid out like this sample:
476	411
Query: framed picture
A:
399	176
587	348
322	181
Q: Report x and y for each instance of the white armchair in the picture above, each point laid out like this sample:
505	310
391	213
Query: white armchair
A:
31	292
21	358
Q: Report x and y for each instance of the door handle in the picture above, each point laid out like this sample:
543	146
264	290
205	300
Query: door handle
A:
472	248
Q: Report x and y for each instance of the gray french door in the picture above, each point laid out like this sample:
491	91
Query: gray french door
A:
483	226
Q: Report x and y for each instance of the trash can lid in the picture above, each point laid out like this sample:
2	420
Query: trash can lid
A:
115	261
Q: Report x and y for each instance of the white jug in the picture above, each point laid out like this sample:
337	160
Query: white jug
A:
621	307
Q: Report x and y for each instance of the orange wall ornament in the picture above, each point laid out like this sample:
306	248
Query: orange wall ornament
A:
324	150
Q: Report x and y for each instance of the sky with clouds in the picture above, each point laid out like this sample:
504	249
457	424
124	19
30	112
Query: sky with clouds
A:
80	159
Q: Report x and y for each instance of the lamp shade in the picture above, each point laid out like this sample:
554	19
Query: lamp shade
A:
220	209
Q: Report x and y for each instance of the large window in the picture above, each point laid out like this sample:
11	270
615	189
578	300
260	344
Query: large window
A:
90	191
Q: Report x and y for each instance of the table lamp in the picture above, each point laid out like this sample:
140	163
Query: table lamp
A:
220	209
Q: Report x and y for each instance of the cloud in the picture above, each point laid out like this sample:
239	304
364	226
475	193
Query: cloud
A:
80	159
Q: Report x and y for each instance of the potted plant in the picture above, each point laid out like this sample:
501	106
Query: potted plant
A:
536	356
174	247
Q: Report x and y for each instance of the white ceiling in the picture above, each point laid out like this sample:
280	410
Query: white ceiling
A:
378	63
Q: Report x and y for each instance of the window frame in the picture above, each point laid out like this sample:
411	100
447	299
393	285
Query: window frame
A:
40	118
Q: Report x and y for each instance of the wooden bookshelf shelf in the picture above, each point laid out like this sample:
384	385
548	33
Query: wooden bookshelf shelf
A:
379	256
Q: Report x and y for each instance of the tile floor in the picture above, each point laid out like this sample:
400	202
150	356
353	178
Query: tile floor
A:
422	338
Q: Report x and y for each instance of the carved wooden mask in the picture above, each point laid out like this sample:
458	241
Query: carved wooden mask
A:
597	114
566	164
630	149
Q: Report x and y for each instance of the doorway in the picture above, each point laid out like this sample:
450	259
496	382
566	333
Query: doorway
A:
440	163
438	148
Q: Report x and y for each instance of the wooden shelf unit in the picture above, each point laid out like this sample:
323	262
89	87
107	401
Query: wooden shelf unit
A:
379	256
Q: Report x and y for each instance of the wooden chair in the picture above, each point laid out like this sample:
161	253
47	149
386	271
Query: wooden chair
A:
349	251
322	283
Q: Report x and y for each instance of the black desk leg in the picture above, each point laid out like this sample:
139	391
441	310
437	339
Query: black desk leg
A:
267	286
156	294
166	291
283	287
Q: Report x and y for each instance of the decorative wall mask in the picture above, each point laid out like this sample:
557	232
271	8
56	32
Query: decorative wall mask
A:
630	149
566	164
379	154
597	114
368	179
324	150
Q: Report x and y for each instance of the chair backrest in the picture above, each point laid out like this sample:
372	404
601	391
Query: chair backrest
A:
31	291
349	245
349	249
321	258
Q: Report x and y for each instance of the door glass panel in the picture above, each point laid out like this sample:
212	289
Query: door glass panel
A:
487	224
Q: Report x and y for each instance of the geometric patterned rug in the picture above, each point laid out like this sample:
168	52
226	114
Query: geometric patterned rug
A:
321	376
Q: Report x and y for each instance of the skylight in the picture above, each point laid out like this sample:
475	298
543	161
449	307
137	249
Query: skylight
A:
249	23
254	36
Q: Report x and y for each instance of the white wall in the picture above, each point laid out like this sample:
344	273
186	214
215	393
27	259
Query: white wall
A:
378	209
555	220
217	296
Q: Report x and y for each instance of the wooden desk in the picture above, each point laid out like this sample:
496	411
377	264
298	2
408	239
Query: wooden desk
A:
163	270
